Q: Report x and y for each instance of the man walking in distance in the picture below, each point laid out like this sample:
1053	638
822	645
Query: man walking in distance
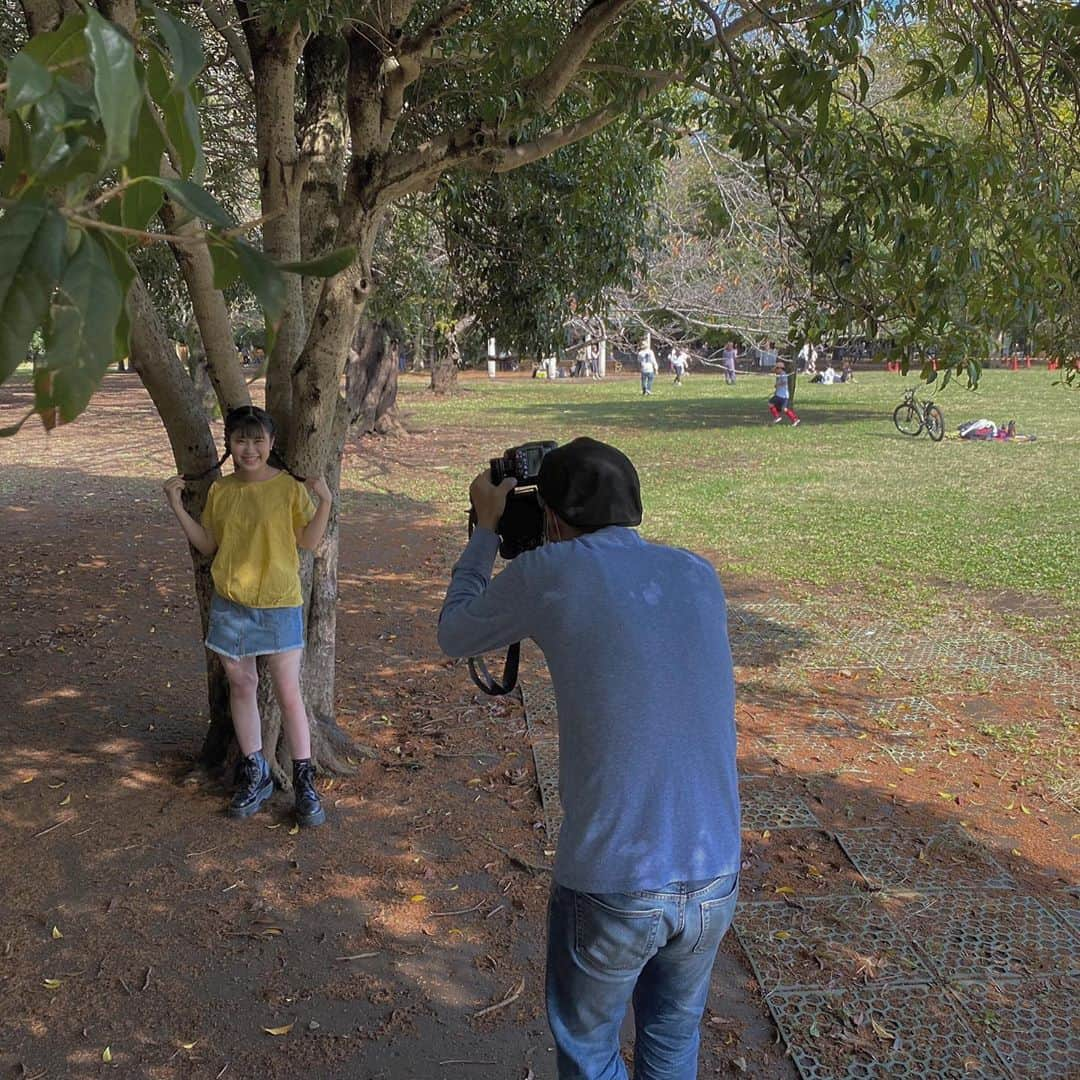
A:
646	873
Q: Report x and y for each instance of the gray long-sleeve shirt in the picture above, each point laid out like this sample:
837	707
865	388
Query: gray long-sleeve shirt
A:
647	770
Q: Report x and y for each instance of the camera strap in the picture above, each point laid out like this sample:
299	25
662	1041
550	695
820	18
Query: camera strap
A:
482	677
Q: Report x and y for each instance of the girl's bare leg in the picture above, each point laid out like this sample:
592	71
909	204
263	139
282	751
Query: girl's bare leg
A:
243	687
285	676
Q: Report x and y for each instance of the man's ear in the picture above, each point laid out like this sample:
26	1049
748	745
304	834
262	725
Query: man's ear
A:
551	524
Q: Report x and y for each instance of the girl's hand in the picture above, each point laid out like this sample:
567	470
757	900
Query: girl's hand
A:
173	488
319	487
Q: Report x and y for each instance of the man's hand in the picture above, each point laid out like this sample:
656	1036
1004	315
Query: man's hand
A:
489	500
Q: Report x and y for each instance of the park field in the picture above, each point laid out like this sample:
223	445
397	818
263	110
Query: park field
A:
843	500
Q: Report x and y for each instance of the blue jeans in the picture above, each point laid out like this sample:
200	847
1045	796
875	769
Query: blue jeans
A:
655	947
647	381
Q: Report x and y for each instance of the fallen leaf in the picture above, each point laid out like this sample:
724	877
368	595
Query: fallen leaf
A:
28	780
283	1030
56	933
1015	851
188	1046
782	935
294	830
52	984
1024	809
64	801
277	825
106	1055
907	769
946	795
417	898
786	889
881	1032
766	834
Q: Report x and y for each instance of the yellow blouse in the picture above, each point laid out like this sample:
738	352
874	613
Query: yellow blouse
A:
254	524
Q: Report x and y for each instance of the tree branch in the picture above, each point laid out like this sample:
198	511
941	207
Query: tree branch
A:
412	49
238	47
547	87
514	157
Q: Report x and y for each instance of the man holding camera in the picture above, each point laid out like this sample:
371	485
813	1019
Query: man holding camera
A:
647	866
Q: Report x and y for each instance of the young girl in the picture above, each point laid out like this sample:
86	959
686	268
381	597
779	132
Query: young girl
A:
252	523
778	403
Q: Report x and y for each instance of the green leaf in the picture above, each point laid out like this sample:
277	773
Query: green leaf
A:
82	337
28	82
14	172
226	263
174	112
115	85
325	266
141	202
190	118
184	45
59	46
43	399
264	279
32	256
48	140
197	201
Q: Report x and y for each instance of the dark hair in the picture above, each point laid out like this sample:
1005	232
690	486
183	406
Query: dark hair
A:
248	420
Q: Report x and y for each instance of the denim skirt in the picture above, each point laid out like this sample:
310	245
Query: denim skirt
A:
237	631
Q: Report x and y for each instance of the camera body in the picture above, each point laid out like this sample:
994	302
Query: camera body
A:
521	528
522	463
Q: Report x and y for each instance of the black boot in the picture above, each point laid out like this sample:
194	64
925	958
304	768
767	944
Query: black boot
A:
256	785
309	809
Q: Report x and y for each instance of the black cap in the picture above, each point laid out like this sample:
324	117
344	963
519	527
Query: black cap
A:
590	485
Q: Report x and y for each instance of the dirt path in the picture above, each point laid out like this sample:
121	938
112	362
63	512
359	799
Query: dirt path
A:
143	931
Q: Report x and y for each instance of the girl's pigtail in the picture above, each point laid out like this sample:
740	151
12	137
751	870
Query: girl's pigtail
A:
278	462
213	468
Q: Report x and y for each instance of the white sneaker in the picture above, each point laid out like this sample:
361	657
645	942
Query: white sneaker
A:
778	420
796	422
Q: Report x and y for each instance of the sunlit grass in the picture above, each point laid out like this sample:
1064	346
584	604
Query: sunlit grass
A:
842	500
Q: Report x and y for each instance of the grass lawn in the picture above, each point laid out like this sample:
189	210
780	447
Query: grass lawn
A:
843	500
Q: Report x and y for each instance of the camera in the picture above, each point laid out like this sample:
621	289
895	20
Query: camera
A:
521	528
521	462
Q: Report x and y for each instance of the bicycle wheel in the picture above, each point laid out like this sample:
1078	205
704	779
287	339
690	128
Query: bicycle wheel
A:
935	423
907	419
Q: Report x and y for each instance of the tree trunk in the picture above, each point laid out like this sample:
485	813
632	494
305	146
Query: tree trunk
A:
444	367
371	381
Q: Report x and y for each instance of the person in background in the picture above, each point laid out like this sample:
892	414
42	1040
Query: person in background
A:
779	403
647	365
679	363
729	356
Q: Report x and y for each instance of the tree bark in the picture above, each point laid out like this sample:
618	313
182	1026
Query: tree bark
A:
176	400
371	381
275	52
444	369
323	139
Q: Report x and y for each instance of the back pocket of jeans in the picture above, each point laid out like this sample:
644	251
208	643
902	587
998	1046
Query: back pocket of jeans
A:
613	939
716	916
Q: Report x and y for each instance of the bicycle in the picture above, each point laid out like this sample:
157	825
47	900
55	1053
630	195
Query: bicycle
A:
911	416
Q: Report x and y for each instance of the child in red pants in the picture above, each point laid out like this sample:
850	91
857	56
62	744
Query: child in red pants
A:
779	403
